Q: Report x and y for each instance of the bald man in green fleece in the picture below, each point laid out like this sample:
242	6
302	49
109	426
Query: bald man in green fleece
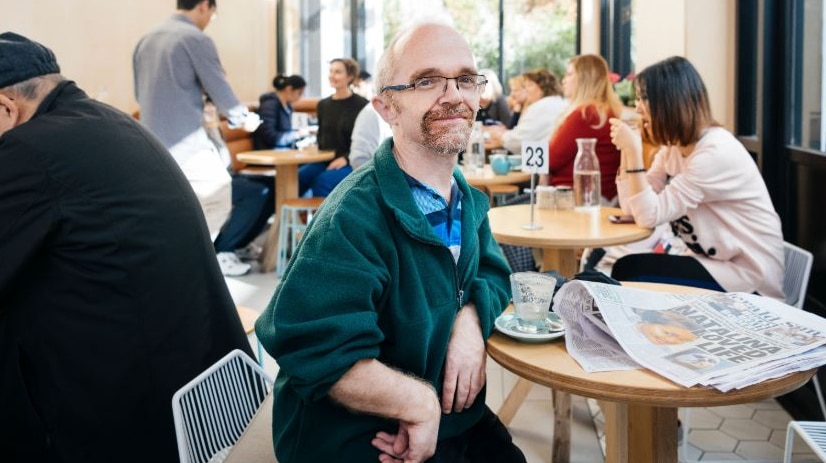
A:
380	321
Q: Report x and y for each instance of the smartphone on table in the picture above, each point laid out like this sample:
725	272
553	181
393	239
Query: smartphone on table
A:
621	218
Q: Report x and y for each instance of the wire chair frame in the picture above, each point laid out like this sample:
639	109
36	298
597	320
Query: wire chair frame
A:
813	434
213	410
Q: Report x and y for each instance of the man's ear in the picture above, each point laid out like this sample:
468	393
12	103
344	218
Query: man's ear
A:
385	109
9	113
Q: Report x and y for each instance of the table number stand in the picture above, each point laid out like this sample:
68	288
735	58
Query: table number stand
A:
535	161
533	225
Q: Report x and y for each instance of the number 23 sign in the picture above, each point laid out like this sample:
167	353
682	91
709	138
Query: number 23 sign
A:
535	157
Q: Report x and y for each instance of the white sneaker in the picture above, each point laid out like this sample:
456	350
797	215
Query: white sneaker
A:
231	266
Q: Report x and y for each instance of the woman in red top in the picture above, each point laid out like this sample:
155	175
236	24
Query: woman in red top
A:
593	101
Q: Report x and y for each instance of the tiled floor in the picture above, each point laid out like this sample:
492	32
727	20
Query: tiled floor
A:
753	432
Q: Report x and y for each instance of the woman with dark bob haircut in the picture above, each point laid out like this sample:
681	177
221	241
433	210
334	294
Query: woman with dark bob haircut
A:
702	181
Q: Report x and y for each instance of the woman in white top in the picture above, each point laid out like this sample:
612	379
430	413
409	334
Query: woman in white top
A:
542	107
702	181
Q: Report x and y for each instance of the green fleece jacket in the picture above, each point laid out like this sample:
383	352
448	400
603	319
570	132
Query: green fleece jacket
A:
370	279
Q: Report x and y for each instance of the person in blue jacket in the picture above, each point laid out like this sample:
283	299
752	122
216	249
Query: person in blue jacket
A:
380	320
276	111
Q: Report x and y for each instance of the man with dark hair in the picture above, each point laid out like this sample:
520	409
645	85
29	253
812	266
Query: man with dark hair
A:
100	322
175	66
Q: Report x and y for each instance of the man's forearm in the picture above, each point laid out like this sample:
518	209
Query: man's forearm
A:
374	388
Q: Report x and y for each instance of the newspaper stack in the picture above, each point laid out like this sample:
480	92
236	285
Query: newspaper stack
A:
722	340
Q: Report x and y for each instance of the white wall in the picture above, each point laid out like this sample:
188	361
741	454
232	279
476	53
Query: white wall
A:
589	27
93	40
702	31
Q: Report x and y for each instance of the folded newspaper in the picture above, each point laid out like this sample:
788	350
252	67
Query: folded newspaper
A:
723	340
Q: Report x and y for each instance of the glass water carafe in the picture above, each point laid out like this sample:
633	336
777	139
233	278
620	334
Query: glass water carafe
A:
587	181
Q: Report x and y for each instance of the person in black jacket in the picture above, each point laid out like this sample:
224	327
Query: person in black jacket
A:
110	295
336	117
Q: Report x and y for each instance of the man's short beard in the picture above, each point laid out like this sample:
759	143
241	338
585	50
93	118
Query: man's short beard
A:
447	141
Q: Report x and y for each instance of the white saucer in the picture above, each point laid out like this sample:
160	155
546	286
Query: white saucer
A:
506	324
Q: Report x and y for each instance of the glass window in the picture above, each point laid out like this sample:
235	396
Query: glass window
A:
806	92
539	34
534	33
617	35
314	32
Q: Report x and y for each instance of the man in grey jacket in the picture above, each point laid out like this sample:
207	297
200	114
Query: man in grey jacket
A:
175	66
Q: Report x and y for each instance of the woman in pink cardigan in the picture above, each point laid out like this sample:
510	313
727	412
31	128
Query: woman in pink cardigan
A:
704	183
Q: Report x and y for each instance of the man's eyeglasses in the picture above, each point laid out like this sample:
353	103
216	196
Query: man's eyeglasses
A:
466	83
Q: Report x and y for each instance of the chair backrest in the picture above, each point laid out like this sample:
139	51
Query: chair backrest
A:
796	278
212	411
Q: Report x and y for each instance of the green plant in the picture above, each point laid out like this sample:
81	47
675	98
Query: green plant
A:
625	89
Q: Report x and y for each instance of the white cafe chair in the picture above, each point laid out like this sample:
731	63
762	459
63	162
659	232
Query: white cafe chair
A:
813	434
213	410
795	282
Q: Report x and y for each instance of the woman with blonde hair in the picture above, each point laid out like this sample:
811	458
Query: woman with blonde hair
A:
588	88
542	106
516	99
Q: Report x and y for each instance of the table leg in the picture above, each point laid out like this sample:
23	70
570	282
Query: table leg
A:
615	416
514	399
561	451
639	433
563	261
286	186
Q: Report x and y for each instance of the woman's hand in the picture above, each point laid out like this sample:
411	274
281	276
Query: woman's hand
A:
337	163
624	137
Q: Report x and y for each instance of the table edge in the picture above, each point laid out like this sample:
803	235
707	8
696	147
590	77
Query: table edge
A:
701	396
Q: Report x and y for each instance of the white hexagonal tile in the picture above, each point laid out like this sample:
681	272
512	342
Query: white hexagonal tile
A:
746	430
775	419
702	418
762	450
712	441
733	411
713	456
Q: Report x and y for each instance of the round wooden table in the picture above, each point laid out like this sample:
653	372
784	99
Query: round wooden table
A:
487	177
563	232
640	406
286	184
248	318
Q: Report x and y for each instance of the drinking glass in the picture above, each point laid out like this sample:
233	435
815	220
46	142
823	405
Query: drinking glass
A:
532	294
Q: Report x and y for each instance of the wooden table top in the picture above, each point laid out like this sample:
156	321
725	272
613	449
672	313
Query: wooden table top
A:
549	364
489	178
284	157
562	229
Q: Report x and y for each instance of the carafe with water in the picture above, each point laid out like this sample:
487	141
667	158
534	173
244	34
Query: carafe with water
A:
587	186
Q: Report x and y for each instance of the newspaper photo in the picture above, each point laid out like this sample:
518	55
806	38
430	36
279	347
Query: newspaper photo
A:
722	340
